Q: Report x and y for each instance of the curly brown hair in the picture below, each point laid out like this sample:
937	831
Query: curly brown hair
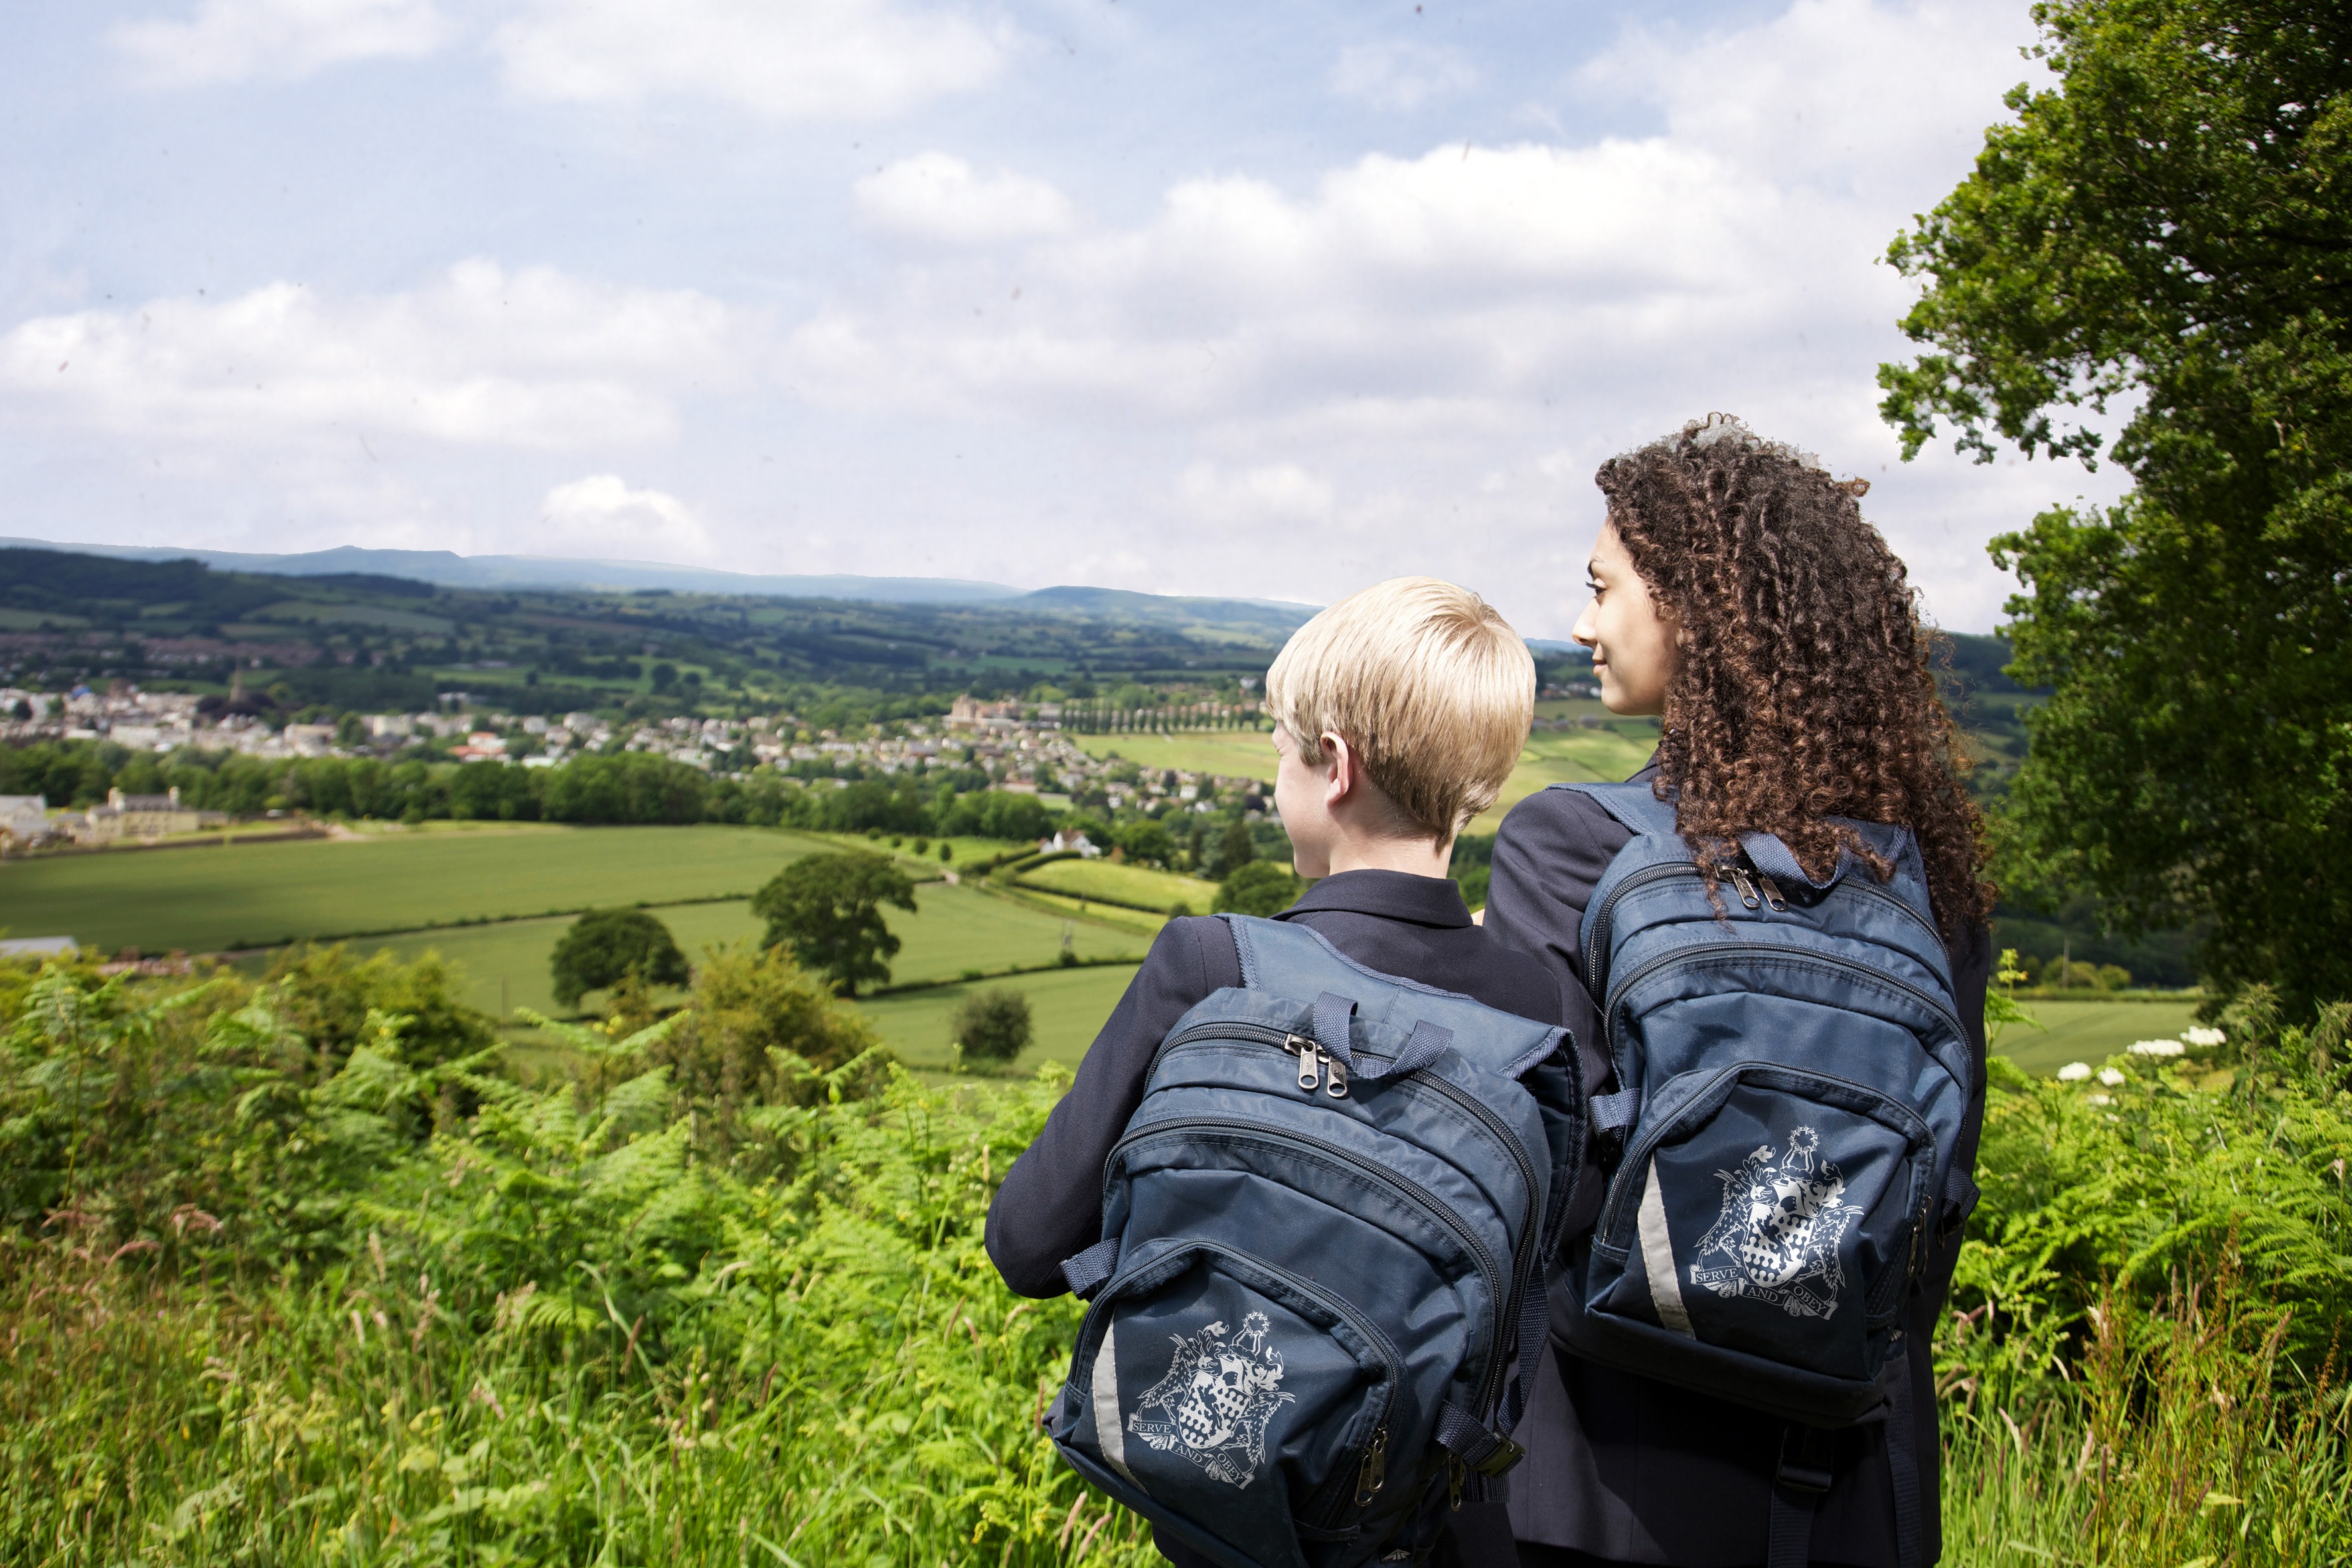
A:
1804	689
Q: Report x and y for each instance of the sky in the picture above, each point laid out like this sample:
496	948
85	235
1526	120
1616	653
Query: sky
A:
1199	297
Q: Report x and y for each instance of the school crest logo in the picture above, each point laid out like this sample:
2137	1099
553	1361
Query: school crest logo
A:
1215	1402
1782	1219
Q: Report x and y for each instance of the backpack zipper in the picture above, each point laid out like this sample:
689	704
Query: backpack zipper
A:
1531	1220
1498	1285
1772	950
1596	928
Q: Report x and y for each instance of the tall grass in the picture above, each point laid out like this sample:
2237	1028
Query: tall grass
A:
292	1273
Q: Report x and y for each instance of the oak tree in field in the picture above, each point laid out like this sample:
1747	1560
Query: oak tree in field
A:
2169	230
605	947
992	1026
826	909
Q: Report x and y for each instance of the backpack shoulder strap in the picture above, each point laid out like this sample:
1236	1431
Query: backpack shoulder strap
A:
1299	961
1631	804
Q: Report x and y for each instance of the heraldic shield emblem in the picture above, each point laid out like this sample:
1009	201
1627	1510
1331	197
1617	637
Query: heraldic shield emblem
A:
1783	1219
1215	1402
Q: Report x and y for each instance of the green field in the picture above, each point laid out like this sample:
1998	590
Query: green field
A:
2090	1031
1122	885
1238	753
1067	1005
203	900
952	929
1568	756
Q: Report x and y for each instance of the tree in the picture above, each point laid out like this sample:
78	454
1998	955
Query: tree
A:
827	910
1235	849
992	1026
1145	842
1259	888
2167	229
605	947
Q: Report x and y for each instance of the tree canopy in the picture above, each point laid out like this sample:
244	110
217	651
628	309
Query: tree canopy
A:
826	909
2168	232
605	947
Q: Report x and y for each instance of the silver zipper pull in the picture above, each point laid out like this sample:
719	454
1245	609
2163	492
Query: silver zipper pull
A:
1338	1086
1746	888
1307	1077
1374	1474
1772	895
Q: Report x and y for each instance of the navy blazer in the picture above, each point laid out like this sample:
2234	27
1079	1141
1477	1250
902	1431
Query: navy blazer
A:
1624	1470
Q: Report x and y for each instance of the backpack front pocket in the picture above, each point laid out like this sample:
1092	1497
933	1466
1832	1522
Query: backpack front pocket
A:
1768	1212
1235	1397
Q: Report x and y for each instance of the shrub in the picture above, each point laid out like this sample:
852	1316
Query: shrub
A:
1258	887
992	1026
605	947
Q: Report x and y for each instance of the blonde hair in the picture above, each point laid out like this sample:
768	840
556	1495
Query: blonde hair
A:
1430	687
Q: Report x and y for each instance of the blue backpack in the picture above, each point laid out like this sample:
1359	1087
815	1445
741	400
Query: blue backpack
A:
1792	1073
1320	1290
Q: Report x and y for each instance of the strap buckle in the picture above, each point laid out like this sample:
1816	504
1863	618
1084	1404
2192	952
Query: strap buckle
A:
1808	1459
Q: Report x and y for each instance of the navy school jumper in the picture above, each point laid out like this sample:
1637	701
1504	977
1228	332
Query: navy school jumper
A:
1050	1206
1622	1469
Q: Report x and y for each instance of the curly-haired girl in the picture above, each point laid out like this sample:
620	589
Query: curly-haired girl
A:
1738	595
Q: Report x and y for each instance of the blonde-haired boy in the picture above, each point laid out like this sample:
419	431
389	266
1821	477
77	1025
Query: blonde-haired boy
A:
1399	711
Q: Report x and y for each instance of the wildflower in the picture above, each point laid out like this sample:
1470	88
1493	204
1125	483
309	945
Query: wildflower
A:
2203	1037
2100	1100
2111	1077
2157	1048
2075	1072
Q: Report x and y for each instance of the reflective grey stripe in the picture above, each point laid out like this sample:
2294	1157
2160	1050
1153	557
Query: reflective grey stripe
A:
1658	1258
1110	1435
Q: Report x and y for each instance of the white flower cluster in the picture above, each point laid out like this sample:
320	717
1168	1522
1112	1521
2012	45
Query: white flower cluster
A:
2073	1072
2157	1048
2111	1077
2203	1037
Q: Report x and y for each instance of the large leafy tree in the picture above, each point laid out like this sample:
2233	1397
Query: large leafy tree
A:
2169	231
827	910
605	947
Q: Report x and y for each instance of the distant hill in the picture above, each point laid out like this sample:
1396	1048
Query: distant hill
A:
447	569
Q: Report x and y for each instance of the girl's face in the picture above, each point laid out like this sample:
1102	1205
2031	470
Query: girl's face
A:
1633	641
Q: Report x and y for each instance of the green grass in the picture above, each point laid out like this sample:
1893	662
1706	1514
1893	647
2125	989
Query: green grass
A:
205	899
1067	1005
1239	753
2090	1031
1568	756
952	929
1122	884
1141	922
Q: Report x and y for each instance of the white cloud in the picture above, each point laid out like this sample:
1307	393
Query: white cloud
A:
937	198
601	516
235	40
484	356
1448	335
1401	75
782	59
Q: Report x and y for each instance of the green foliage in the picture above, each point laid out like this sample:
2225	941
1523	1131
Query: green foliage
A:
1145	842
603	947
567	1328
992	1026
1236	848
2167	227
827	909
1258	887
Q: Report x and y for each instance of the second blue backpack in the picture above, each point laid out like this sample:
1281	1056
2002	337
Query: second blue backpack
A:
1320	1292
1792	1075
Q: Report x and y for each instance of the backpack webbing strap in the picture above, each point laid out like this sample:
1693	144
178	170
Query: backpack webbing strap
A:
1808	1455
1903	1465
1615	1112
1090	1270
1465	1438
1535	1323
